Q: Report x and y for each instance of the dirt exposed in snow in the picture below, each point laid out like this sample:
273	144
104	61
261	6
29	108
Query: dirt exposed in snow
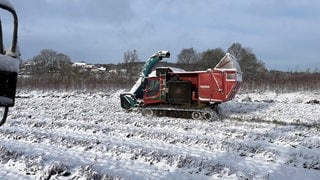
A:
82	135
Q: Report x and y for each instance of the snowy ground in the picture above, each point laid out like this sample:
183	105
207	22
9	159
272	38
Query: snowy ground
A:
79	135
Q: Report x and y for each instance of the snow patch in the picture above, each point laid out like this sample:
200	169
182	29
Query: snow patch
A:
86	135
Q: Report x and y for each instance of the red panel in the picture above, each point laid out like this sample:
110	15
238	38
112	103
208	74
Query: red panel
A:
205	87
232	85
211	87
214	86
193	77
152	97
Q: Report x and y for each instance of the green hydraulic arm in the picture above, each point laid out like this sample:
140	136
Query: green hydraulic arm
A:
129	99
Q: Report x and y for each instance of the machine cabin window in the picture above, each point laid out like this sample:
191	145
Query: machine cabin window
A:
153	87
231	76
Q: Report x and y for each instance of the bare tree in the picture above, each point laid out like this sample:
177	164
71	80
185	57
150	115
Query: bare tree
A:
209	58
50	69
253	69
187	58
236	50
49	61
130	58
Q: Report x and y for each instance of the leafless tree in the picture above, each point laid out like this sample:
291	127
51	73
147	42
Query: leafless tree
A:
130	58
209	58
253	69
187	59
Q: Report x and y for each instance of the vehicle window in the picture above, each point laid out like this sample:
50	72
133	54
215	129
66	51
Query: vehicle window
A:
231	76
153	87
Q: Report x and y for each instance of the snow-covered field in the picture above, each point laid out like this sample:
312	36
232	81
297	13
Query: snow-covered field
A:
82	135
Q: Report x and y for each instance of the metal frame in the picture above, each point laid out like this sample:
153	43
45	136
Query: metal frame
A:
4	116
12	52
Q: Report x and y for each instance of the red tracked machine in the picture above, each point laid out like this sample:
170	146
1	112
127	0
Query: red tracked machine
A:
174	92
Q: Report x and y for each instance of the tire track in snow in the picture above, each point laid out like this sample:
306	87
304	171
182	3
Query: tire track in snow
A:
159	144
244	149
180	133
124	150
199	140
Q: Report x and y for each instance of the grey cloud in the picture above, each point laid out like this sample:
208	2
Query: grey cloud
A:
102	30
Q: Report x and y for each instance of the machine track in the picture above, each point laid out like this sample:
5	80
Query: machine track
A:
210	114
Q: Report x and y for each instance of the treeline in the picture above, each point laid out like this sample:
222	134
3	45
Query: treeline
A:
52	70
285	82
255	74
252	68
89	82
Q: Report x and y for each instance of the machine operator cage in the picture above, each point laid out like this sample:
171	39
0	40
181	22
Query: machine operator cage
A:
9	65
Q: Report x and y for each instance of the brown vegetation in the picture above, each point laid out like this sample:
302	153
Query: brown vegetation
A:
51	70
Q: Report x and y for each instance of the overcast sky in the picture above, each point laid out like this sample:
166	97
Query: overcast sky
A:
285	34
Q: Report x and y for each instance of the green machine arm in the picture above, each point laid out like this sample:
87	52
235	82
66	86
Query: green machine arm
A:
129	99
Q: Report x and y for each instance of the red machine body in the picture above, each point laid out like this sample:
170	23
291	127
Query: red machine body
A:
176	86
174	92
